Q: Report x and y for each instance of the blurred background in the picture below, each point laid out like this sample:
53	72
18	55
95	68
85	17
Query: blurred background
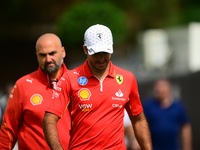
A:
152	39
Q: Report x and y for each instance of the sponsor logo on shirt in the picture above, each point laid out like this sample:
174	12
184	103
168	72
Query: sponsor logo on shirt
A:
29	80
76	73
62	79
85	107
59	83
57	89
84	94
119	95
55	95
11	95
12	91
117	106
82	80
119	78
36	99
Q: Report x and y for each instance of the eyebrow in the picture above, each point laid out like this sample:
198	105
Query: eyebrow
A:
50	53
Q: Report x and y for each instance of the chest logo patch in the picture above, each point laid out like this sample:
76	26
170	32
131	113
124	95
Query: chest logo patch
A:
82	80
84	94
119	93
119	79
36	99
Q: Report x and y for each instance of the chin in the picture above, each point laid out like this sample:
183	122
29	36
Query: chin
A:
101	67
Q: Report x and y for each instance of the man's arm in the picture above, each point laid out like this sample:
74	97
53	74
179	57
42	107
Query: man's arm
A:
186	137
141	130
50	131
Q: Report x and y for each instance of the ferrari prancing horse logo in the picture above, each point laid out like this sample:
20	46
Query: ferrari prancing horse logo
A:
119	79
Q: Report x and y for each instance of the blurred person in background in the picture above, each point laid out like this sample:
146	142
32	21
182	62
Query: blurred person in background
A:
167	118
23	118
98	93
4	97
129	136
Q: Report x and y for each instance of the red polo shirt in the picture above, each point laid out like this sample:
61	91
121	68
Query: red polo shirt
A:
23	118
97	108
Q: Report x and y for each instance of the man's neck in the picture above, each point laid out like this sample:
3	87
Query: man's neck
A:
100	74
165	103
54	76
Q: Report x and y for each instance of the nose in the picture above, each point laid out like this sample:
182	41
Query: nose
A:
48	58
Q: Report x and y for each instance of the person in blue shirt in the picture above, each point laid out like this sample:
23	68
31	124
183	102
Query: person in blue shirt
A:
167	118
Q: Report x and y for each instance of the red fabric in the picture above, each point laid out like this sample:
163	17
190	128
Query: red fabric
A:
24	114
97	109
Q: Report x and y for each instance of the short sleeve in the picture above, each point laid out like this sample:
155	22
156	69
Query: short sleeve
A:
184	118
60	99
134	106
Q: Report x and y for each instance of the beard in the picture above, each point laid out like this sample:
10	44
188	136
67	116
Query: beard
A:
52	69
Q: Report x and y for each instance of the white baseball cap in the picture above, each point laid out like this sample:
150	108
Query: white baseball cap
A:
98	38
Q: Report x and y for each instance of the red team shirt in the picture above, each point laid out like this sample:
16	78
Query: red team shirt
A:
97	108
24	114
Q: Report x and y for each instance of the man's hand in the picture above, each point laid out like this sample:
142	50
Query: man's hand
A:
141	130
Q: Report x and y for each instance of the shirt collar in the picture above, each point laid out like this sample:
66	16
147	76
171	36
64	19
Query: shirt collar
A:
87	72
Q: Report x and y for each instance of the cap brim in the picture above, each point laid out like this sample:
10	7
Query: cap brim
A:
100	48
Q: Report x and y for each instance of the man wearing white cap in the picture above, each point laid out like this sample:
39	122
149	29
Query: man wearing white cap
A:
97	93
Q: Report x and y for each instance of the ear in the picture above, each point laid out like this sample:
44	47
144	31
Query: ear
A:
85	49
63	51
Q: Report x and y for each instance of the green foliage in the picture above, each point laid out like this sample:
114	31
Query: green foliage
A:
191	14
72	25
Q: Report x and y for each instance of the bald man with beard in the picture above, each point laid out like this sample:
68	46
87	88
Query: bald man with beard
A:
23	118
